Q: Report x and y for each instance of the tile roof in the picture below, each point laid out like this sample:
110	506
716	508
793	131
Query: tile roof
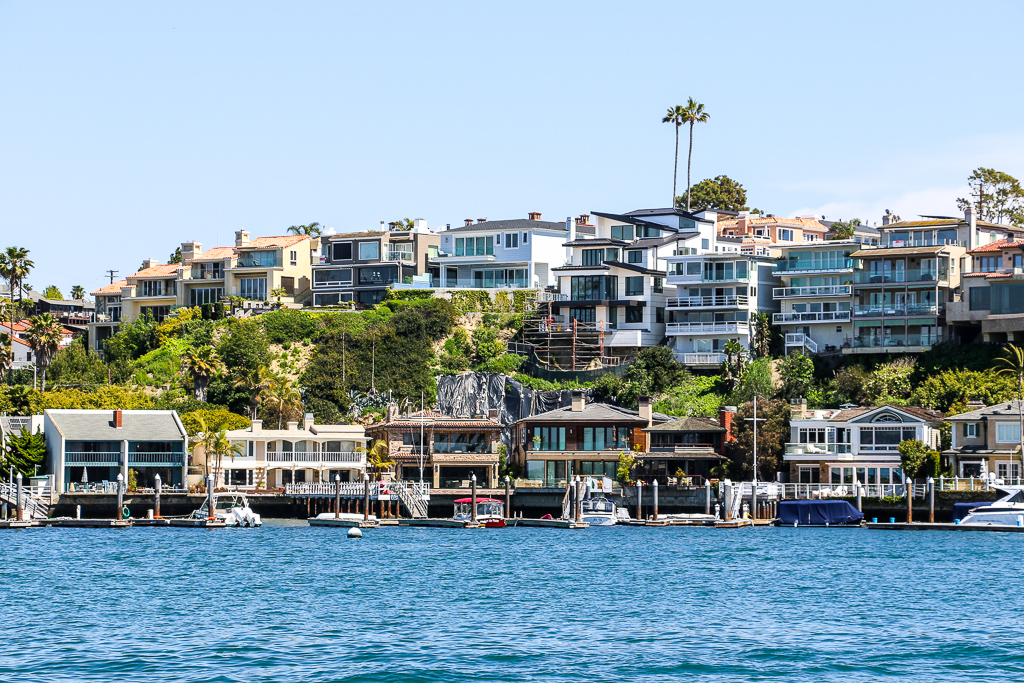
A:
754	219
114	288
162	270
1009	243
277	241
98	425
513	224
688	424
216	254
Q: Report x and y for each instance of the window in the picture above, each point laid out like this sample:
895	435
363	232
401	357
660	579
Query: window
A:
659	315
385	275
600	438
156	313
635	256
551	438
693	267
593	257
288	285
456	442
988	264
526	238
635	286
293	258
583	315
634	315
157	288
254	288
622	232
839	328
332	276
205	295
705	244
1008	470
474	246
659	285
970	430
512	240
1008	432
369	251
785	235
341	251
257	259
594	287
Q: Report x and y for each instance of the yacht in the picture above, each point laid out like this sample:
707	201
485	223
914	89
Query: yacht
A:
231	508
598	511
1007	511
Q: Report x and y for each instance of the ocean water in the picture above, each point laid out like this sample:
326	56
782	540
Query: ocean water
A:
290	603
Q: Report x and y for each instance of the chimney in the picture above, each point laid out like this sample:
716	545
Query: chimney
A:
149	263
257	426
481	220
570	228
584	219
646	409
798	408
492	414
534	215
886	217
307	421
189	251
974	239
391	412
118	419
469	221
725	417
241	238
577	401
293	426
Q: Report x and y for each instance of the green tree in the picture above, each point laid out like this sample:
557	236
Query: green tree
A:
946	389
757	379
22	399
693	397
53	292
77	364
765	338
378	457
796	372
5	355
656	368
44	336
624	472
200	363
890	382
486	344
175	256
1011	364
219	445
24	452
281	400
15	267
997	196
402	224
732	366
843	230
313	229
913	457
212	420
722	192
772	435
245	348
693	113
78	292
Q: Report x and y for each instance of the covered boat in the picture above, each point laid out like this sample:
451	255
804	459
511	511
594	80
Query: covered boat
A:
1008	511
490	512
818	513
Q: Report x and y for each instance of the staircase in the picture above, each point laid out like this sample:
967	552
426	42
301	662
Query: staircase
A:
34	506
413	496
801	340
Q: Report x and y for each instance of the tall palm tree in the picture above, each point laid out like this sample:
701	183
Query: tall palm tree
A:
5	357
201	363
1012	364
693	113
675	115
78	292
378	457
15	267
218	445
257	383
284	398
313	229
44	336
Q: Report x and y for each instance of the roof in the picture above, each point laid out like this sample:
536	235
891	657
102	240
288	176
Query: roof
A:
688	424
1007	409
633	220
161	270
592	412
273	242
434	418
512	224
897	251
667	212
98	425
597	242
755	219
353	235
215	254
636	268
920	413
1009	243
113	288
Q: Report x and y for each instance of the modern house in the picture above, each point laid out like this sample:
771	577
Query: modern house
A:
90	446
584	439
301	452
815	295
839	447
689	446
445	450
986	441
77	312
991	305
359	267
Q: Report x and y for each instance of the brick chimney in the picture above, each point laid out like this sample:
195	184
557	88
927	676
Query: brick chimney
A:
149	263
534	215
577	401
481	220
646	409
241	238
469	221
798	408
118	419
725	418
492	414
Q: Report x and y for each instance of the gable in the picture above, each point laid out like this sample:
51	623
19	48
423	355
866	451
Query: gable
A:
887	415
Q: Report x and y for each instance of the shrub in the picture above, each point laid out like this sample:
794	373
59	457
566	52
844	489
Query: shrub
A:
506	364
287	325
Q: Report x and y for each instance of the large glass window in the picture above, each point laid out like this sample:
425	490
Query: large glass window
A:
622	232
601	438
155	313
635	286
583	315
635	256
369	251
341	251
257	259
474	246
254	288
551	438
634	315
1007	298
157	288
332	276
1008	432
461	442
593	257
980	298
384	275
205	295
594	287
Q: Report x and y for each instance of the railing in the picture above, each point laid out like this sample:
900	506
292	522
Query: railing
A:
435	283
552	296
881	310
707	328
690	448
790	267
378	489
707	301
909	275
32	504
155	458
262	261
919	242
816	317
817	448
316	457
92	458
822	290
414	497
207	274
874	342
400	255
800	339
703	358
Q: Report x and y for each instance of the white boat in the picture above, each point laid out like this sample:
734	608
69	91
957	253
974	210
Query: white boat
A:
490	512
1007	511
598	511
347	516
232	509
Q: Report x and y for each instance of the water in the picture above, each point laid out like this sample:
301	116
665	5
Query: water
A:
290	603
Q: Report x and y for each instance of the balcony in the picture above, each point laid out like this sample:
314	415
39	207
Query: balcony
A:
732	301
679	277
801	340
258	260
818	448
893	341
811	267
400	255
204	274
150	458
901	276
884	310
818	317
91	458
435	283
708	328
823	290
315	459
701	359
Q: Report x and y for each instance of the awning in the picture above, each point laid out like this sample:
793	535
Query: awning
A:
921	321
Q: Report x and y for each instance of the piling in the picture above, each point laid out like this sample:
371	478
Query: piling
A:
931	500
579	500
120	497
209	497
78	512
472	484
337	496
366	497
570	492
20	515
639	500
728	501
655	493
508	497
910	501
156	505
707	496
860	503
753	499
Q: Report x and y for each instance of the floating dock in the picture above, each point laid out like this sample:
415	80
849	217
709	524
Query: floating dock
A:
439	522
734	524
550	523
343	523
151	522
90	523
15	524
925	526
197	523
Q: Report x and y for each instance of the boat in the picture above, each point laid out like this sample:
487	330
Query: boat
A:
490	512
818	513
1007	511
231	508
598	511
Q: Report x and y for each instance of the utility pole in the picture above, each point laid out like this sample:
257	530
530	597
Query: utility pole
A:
111	274
755	420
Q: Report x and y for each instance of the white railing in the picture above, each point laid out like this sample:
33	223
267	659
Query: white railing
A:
739	300
413	495
156	458
703	358
801	339
707	328
817	317
348	489
820	290
400	255
33	505
318	457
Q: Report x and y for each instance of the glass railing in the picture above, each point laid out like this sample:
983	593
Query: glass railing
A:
895	340
817	448
816	317
820	290
705	328
909	275
435	283
399	255
919	242
706	301
810	266
877	310
205	274
264	260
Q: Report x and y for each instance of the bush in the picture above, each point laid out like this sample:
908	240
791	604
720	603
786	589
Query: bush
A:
215	419
245	347
486	344
506	364
287	324
655	368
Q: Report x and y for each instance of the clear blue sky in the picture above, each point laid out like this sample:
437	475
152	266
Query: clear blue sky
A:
127	128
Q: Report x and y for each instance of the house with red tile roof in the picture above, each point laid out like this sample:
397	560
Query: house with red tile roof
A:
991	305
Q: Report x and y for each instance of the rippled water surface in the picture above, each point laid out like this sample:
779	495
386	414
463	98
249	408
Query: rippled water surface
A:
290	603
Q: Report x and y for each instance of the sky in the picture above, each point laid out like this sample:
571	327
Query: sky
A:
128	128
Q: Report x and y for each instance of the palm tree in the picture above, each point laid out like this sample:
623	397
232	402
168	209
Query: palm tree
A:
313	229
278	292
283	396
15	267
78	292
20	397
257	382
378	457
1012	363
733	362
44	336
403	224
675	115
201	363
218	445
693	113
5	358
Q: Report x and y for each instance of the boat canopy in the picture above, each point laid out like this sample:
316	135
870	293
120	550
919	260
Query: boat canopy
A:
479	500
961	510
818	512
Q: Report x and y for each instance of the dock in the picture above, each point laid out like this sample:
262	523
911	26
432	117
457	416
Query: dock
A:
89	523
925	526
15	524
734	524
550	523
343	523
438	522
151	522
197	523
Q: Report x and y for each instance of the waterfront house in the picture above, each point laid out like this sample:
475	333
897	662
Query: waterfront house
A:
449	449
691	445
841	446
769	229
986	441
301	452
97	445
991	305
584	439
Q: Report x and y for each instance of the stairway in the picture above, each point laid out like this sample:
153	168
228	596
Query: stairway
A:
413	496
35	507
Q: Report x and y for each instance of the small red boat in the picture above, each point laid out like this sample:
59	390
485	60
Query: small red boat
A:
490	512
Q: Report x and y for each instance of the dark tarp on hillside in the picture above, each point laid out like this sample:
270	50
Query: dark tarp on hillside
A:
476	393
960	510
818	512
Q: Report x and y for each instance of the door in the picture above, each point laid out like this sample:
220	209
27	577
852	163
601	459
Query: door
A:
288	285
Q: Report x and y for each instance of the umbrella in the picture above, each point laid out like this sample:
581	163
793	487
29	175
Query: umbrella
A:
85	475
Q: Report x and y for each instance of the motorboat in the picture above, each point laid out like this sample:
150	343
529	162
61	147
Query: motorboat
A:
231	508
1007	511
598	511
490	512
347	516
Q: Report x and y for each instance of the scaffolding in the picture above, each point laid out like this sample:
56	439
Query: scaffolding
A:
559	342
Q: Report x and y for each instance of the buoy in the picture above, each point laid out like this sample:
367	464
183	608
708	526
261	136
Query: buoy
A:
355	533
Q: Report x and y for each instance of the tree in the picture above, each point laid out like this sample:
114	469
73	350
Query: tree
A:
25	452
675	115
764	335
256	385
693	114
5	356
278	292
78	292
76	364
201	363
22	398
772	435
282	400
943	390
732	367
624	472
218	445
15	267
890	382
796	372
486	344
721	192
913	456
245	348
1011	364
997	196
175	257
313	229
53	292
44	336
378	457
402	224
656	368
756	379
843	230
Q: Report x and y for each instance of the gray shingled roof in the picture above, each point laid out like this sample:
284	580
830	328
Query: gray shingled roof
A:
1004	409
98	425
688	424
513	224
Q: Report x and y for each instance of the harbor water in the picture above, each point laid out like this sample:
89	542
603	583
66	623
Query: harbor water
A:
291	603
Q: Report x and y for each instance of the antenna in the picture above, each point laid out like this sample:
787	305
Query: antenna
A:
111	273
